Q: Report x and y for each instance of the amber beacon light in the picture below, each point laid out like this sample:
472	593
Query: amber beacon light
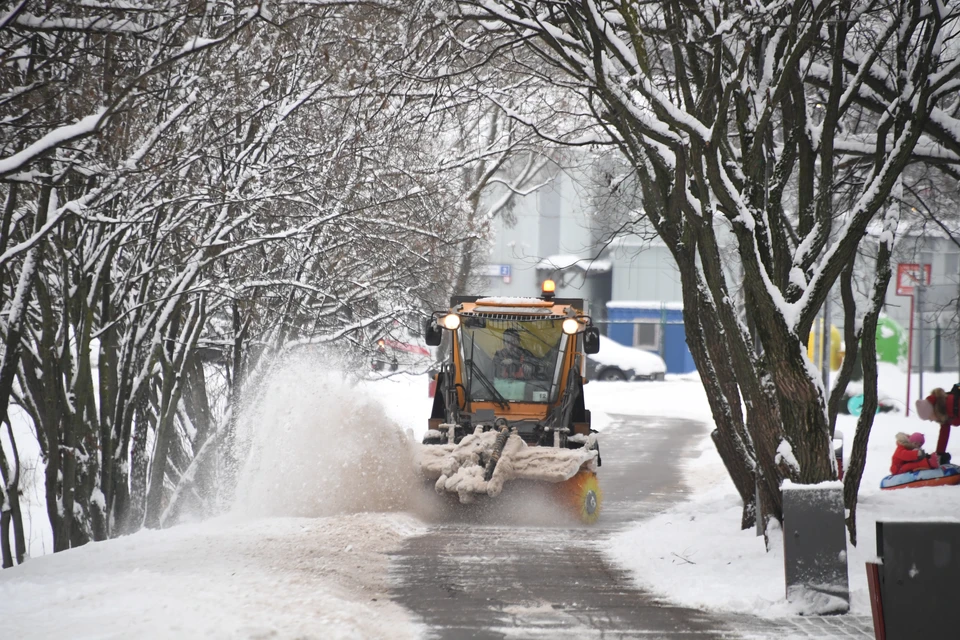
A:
548	289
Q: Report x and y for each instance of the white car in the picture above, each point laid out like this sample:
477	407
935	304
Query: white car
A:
617	362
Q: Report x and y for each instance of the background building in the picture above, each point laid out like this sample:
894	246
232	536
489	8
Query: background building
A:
937	307
558	233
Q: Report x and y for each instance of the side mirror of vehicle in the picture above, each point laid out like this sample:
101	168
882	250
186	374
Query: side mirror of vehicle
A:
432	333
591	340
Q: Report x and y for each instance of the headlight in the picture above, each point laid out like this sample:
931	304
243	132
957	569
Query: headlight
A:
451	321
570	326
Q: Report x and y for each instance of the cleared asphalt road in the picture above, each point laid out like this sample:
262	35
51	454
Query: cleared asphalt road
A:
511	570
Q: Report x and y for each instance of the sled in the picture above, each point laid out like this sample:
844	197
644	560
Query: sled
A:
947	474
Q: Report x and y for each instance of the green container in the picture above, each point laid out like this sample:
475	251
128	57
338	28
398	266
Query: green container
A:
891	342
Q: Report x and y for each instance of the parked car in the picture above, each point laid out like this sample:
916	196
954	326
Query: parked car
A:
617	362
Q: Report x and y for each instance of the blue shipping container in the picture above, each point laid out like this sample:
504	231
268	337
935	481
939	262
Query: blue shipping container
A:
667	316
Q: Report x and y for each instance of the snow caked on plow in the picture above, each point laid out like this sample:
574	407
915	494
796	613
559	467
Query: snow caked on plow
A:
462	468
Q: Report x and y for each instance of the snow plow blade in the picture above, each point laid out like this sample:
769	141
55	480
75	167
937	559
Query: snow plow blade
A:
460	468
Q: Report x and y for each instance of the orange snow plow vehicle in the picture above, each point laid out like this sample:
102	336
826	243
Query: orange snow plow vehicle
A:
509	399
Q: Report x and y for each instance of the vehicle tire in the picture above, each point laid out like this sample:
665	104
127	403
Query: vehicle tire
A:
612	374
582	495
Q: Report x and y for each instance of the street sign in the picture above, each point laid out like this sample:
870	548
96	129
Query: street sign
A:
495	270
909	275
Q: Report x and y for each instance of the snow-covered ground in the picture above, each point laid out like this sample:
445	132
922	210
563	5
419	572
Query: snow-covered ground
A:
679	396
305	552
695	553
328	495
225	578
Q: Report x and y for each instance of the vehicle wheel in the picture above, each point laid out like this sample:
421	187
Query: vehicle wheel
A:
582	495
612	374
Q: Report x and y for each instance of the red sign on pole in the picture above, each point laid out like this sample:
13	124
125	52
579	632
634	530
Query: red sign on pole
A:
909	275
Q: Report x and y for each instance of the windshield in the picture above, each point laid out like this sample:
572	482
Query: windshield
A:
511	360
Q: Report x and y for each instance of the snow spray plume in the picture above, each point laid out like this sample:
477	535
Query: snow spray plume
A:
317	448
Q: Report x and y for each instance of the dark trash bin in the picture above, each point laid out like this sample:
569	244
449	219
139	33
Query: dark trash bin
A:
918	578
815	548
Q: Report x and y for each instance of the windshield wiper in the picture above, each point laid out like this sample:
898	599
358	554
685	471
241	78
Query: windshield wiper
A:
500	400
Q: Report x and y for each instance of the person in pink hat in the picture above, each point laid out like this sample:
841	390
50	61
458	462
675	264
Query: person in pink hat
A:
943	408
909	455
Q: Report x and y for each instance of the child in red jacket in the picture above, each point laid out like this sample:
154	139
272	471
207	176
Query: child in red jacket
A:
909	455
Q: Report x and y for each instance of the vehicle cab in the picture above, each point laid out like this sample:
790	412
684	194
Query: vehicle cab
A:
518	361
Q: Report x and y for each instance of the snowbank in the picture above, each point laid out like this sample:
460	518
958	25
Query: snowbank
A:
695	554
679	396
319	447
226	578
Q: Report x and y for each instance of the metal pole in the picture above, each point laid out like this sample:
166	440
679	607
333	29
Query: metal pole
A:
920	346
937	358
909	353
825	348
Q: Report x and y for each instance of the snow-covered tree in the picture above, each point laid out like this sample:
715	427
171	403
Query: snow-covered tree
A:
75	80
766	138
251	188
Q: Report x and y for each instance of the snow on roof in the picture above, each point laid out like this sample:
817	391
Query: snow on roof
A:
567	260
502	301
644	304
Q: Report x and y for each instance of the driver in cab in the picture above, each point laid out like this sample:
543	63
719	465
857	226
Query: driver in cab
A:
512	361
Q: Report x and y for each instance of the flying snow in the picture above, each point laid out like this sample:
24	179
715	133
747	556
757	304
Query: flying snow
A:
317	446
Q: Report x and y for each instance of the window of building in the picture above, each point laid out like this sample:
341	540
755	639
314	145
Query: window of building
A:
951	265
646	335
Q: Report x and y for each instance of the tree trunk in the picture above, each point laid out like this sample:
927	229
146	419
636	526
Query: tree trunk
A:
10	514
107	391
868	351
197	406
164	435
229	446
139	463
708	347
764	422
14	327
851	338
